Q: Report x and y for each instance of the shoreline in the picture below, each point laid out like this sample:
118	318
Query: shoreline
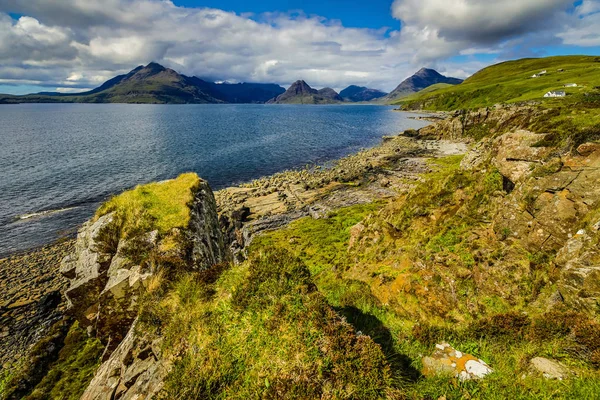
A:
31	279
314	172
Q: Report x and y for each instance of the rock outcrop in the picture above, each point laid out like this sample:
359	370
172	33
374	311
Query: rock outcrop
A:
448	361
107	284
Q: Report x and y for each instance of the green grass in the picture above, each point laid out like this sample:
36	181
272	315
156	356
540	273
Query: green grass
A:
397	287
511	82
159	205
262	330
429	89
66	377
70	375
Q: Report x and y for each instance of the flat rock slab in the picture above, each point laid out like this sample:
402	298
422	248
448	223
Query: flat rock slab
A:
549	369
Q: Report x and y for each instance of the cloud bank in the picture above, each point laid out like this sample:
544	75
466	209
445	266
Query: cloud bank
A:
71	44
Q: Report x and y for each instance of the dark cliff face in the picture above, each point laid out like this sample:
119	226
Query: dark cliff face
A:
361	93
424	78
329	93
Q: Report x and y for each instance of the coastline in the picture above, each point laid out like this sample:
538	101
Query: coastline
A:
31	298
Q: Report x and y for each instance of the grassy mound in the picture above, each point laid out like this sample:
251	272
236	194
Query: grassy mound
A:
512	82
262	330
160	205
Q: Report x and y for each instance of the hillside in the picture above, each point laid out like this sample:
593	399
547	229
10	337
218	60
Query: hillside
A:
361	93
457	261
156	84
512	82
301	93
422	79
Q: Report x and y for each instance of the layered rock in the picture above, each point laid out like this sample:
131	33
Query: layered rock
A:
107	285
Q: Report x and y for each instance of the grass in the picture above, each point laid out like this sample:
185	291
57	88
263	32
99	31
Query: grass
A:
511	82
70	375
262	330
47	376
425	269
160	205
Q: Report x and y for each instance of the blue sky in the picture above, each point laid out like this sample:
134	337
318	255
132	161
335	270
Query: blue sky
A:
74	45
373	14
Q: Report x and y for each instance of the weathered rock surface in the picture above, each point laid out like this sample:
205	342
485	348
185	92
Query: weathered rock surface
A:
549	369
499	118
135	370
448	361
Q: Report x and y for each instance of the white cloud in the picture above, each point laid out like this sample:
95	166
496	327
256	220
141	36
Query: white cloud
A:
79	43
584	31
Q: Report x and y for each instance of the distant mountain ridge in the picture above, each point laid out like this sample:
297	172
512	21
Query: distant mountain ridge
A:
301	93
424	78
156	84
361	93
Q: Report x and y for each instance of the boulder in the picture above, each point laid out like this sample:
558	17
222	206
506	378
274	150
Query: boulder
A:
549	369
515	155
448	361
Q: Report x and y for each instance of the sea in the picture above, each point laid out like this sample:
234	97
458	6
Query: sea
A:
59	162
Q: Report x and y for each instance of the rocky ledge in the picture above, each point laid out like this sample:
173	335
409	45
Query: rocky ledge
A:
107	285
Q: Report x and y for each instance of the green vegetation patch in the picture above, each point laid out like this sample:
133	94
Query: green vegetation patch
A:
427	268
66	377
158	205
262	330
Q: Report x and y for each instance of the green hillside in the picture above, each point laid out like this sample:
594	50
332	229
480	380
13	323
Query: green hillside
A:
512	82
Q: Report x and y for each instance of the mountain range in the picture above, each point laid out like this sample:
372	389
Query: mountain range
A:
360	93
155	84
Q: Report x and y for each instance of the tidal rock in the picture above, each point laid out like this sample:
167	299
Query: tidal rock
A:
448	361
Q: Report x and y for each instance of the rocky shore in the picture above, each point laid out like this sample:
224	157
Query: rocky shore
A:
31	298
378	173
31	282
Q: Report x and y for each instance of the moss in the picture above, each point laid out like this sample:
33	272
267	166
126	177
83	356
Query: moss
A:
70	375
160	205
46	375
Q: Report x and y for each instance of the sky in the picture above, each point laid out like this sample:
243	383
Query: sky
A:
75	45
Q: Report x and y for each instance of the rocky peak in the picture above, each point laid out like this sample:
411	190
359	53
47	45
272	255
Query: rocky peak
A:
329	93
301	88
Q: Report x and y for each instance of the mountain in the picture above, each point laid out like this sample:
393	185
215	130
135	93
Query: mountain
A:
422	79
360	93
301	93
156	84
246	92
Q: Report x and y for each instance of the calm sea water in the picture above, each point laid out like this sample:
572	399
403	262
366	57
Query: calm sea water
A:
59	161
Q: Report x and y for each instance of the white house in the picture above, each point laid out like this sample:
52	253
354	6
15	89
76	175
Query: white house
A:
544	72
556	93
571	85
